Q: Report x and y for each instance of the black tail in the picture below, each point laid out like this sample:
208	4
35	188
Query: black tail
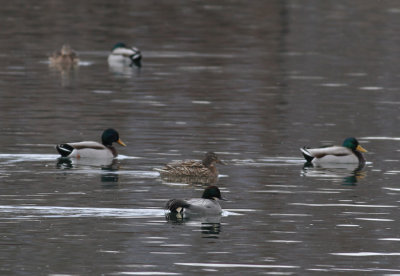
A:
136	60
176	205
306	154
64	149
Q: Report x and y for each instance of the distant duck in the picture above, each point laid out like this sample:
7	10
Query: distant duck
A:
66	56
191	168
124	55
206	205
90	149
348	153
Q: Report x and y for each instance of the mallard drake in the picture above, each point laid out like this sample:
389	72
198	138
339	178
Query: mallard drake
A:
90	149
191	168
124	55
66	56
206	205
348	153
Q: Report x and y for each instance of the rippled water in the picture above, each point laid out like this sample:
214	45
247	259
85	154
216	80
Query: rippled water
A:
251	80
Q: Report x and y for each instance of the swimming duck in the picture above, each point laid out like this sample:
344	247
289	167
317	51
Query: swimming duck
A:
90	149
66	56
348	153
206	205
124	55
191	168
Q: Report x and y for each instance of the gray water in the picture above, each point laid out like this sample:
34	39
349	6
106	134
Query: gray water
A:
251	80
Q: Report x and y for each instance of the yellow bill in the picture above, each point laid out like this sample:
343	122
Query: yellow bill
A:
360	148
121	143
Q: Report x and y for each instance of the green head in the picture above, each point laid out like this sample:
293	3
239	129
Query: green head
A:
110	136
212	192
119	45
353	144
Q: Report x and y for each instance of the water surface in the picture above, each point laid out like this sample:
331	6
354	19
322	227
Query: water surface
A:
252	81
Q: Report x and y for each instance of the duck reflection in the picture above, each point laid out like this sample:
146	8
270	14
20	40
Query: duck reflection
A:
210	226
109	174
210	230
349	173
64	163
108	168
67	73
191	180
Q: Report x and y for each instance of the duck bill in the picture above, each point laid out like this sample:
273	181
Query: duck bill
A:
361	149
220	162
121	143
220	198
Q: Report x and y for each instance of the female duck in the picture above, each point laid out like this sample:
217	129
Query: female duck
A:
89	149
124	55
348	153
192	168
206	205
66	56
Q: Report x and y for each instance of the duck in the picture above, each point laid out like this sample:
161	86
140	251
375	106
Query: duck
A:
349	153
66	56
206	205
124	55
191	168
91	149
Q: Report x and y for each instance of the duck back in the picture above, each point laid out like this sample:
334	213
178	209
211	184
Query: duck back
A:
203	206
